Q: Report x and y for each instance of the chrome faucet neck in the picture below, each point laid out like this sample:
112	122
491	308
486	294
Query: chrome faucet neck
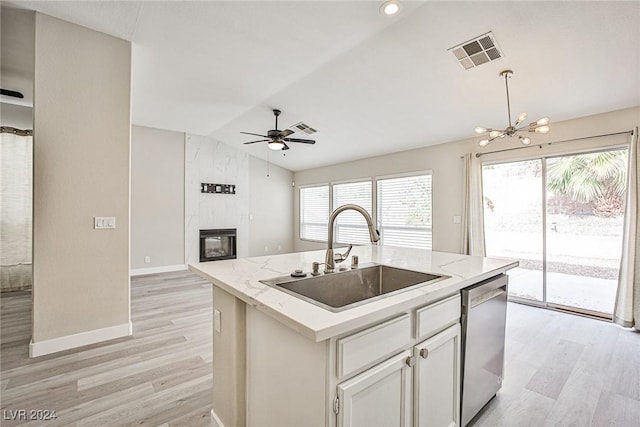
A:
373	233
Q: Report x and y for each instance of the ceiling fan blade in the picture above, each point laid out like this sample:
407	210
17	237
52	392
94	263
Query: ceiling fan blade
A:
255	134
260	140
304	141
286	147
285	133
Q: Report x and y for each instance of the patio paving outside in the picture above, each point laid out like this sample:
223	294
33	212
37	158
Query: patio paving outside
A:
571	290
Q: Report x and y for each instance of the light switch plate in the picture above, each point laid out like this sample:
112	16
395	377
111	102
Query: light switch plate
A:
103	222
457	219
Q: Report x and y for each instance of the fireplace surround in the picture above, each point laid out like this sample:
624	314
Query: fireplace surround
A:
217	244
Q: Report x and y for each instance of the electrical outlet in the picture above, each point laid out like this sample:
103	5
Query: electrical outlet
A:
279	247
147	259
217	321
457	219
266	248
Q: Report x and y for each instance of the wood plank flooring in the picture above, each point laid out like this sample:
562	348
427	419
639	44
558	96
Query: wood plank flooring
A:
160	376
560	369
566	370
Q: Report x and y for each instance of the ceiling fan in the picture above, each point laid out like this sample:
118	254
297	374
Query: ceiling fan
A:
277	139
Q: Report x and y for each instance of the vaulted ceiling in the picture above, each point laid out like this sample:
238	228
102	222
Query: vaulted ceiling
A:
370	84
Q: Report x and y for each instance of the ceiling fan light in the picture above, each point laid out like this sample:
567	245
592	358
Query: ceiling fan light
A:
495	134
525	140
484	143
276	145
542	129
480	129
390	7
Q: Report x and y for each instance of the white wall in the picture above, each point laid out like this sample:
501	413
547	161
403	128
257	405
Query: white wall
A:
157	198
82	125
447	166
270	208
17	116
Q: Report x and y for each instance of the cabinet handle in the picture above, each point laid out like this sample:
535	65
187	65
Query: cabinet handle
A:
424	353
410	361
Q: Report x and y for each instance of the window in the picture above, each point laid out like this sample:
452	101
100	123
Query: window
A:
350	226
314	212
404	211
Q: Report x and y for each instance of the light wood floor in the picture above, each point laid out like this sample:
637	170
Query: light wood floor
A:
560	369
160	376
566	370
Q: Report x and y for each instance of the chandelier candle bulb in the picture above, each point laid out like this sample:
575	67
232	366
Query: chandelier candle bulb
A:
542	129
521	118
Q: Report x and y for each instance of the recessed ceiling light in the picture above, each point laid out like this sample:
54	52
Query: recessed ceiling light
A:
390	7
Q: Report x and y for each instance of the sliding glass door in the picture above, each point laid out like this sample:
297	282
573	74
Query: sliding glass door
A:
561	217
513	222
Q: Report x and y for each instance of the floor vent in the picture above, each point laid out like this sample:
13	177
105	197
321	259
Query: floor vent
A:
477	51
303	128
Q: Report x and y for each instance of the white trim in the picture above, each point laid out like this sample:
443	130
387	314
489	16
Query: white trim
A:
78	340
153	270
404	174
215	421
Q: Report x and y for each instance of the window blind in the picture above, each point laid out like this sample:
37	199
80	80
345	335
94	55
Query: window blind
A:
350	226
314	212
405	211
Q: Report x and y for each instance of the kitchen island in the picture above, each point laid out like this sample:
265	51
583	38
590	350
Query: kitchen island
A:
282	361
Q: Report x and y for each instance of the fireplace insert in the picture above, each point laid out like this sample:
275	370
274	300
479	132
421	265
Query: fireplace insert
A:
217	244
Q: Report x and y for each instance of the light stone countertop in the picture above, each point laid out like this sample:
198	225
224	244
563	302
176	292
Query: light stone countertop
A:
240	278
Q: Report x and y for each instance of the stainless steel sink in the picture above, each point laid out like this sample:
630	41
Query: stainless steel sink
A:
347	289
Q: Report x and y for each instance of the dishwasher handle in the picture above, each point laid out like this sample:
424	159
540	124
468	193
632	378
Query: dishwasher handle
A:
482	298
484	291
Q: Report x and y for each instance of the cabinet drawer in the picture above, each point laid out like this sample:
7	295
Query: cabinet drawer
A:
437	316
372	344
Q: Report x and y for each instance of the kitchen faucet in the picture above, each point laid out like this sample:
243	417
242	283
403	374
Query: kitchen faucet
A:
374	235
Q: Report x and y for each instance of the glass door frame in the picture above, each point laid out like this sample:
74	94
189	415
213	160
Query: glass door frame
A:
543	188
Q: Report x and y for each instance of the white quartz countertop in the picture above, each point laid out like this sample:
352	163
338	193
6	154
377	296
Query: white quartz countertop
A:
240	277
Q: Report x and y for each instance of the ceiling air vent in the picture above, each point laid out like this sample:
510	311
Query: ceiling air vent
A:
477	51
303	128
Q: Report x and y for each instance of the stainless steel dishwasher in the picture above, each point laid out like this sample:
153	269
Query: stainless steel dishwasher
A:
484	312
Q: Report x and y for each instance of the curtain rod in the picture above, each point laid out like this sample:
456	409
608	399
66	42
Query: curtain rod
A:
556	142
15	131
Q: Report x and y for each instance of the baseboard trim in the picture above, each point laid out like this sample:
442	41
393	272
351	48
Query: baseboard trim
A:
215	421
67	342
154	270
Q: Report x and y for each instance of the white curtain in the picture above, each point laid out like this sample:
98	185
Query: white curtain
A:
627	309
16	166
472	209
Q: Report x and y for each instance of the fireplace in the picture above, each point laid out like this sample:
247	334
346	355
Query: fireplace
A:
217	244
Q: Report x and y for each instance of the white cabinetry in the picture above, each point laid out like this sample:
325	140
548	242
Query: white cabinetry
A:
418	386
437	380
379	396
376	375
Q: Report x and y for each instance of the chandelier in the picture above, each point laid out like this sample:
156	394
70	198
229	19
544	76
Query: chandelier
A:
540	126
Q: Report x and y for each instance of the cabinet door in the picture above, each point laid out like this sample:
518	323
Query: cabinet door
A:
380	396
437	380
